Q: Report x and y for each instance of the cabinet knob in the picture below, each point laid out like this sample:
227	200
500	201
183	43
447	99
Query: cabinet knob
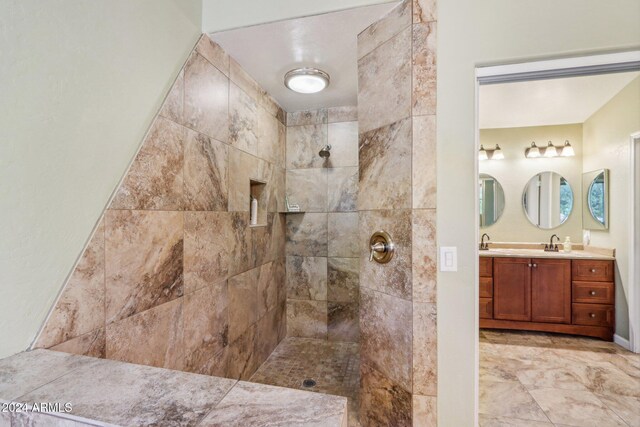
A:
593	270
529	265
592	292
592	315
535	265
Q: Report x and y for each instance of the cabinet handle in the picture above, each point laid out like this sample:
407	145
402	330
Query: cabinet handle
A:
592	292
592	315
593	270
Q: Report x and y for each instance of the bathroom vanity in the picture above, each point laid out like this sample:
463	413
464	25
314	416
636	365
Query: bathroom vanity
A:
530	289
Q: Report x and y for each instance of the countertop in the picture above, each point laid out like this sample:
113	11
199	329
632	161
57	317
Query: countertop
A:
530	250
110	393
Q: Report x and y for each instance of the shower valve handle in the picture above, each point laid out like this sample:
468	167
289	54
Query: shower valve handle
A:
377	247
381	247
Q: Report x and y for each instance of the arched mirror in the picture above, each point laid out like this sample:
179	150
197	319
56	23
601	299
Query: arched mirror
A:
491	200
595	210
547	200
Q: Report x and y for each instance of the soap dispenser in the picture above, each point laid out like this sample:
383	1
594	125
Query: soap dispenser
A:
253	218
566	246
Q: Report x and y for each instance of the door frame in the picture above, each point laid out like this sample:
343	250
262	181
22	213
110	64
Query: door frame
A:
540	70
634	243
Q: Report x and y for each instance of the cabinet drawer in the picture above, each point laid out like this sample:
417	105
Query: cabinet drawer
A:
486	308
593	292
592	314
592	271
486	267
486	287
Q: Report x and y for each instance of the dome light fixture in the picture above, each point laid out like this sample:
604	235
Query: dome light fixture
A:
306	80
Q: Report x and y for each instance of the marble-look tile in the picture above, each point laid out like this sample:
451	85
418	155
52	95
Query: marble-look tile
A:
347	113
384	83
424	162
271	138
80	308
212	52
91	344
243	360
269	103
153	337
307	234
243	302
577	408
276	189
549	375
382	401
425	411
425	349
266	335
207	252
206	329
626	407
124	394
603	377
206	98
24	372
385	28
257	404
509	399
343	138
424	254
281	314
395	277
500	368
307	278
307	319
5	419
385	167
310	117
240	244
308	189
425	11
386	335
267	243
243	120
424	68
242	168
342	321
241	78
342	195
143	260
44	419
155	179
173	106
490	421
206	173
343	234
343	284
271	277
303	145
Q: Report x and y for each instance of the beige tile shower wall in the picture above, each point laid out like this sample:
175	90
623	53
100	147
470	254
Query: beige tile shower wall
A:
397	193
322	254
174	275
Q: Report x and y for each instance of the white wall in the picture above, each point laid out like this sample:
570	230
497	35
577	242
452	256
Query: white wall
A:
79	84
515	171
218	15
606	145
473	33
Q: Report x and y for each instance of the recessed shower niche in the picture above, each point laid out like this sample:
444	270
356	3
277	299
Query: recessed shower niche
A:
258	210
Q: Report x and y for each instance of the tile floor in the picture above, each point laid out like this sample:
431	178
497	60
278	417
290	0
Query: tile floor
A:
335	366
537	379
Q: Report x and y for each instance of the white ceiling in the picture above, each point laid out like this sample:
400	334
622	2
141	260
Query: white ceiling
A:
548	102
325	41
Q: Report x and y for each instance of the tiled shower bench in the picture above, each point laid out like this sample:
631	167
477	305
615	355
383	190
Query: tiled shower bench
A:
110	393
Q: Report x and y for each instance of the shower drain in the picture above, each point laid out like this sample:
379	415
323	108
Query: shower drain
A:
309	383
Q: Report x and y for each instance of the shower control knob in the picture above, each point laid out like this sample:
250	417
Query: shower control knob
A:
381	247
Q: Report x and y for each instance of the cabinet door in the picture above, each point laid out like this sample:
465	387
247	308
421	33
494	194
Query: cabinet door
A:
551	290
512	289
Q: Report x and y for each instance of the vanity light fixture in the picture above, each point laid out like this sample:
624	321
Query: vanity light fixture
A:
306	80
532	152
550	151
567	150
490	153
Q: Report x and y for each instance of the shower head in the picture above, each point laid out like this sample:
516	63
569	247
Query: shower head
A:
325	152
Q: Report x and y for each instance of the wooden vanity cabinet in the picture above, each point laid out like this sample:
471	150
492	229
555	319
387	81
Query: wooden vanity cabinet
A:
572	296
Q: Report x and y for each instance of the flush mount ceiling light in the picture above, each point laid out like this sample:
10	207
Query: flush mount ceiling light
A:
306	80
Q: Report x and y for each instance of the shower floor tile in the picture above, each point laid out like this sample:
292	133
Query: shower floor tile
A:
334	366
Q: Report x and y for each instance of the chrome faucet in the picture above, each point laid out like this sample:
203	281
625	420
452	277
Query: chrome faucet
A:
484	246
551	247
